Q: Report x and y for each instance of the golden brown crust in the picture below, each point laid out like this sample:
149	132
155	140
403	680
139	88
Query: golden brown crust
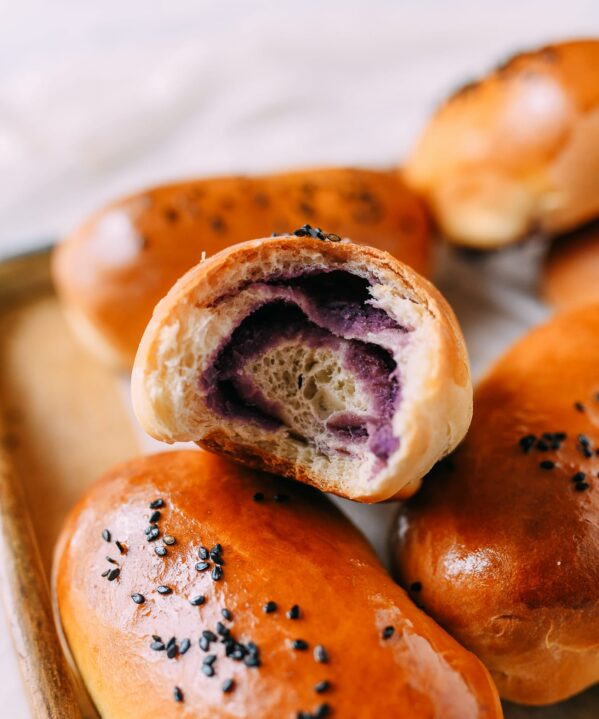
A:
113	269
301	551
517	150
439	410
507	549
571	271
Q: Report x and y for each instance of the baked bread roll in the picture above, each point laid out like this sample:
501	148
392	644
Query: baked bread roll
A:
571	272
325	361
516	151
501	545
245	597
114	268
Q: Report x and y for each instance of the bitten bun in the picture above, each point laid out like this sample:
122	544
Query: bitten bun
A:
301	620
325	361
113	269
516	151
501	545
571	271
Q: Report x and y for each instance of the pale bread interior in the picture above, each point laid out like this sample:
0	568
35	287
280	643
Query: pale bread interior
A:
309	384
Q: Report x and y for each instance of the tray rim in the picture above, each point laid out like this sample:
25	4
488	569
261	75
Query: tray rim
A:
48	679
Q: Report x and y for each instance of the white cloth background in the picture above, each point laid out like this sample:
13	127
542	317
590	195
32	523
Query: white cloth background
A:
98	99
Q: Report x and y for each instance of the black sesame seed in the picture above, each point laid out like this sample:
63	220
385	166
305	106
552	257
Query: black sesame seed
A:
207	670
218	224
163	589
177	694
113	574
579	406
416	587
560	436
169	540
197	601
584	440
204	644
388	632
222	630
294	612
581	486
111	560
138	598
185	644
171	214
320	654
210	636
157	646
542	446
202	566
120	547
217	549
258	497
217	559
251	660
209	659
323	711
153	534
216	573
203	553
157	504
106	535
281	498
160	551
226	614
156	638
547	464
579	477
154	517
228	685
300	645
171	642
322	686
269	607
527	442
172	651
106	572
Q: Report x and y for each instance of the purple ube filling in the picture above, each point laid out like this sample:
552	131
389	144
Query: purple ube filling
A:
324	309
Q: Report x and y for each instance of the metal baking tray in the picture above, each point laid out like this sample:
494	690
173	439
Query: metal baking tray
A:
63	421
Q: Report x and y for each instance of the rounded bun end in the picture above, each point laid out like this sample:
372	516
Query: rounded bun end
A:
571	272
517	151
325	361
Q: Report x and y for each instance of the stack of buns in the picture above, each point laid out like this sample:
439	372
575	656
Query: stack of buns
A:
194	584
